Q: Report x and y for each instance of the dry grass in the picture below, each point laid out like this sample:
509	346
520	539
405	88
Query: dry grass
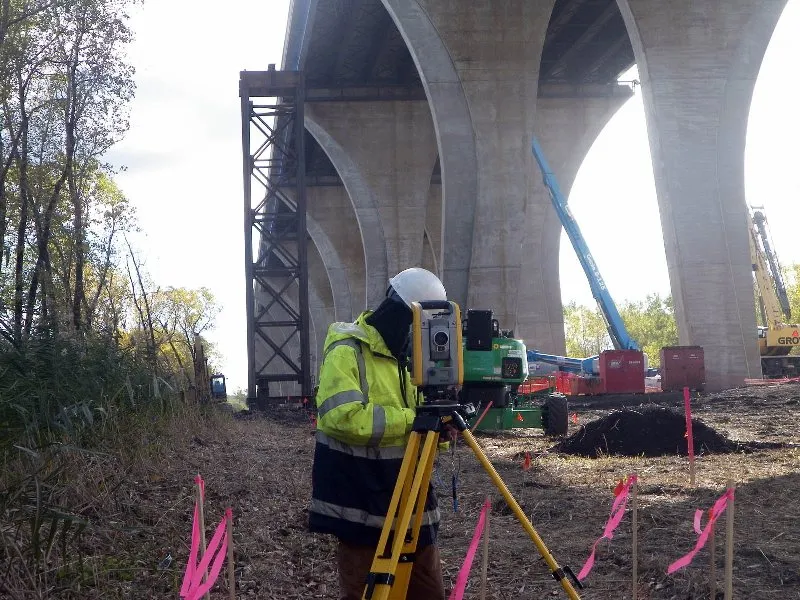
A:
140	500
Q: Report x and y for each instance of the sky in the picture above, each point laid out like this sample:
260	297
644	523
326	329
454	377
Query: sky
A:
183	162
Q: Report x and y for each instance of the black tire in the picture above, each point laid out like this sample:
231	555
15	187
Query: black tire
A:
556	415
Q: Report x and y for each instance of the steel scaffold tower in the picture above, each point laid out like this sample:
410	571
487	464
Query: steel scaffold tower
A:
276	266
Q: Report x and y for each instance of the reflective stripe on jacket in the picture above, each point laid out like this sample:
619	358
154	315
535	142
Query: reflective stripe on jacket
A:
363	423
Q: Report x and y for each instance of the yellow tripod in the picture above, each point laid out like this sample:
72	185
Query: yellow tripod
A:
390	573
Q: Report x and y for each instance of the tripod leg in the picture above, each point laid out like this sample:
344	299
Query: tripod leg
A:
558	572
391	568
408	551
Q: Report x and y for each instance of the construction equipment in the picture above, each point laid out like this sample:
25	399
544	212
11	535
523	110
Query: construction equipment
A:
218	389
437	368
495	366
620	337
610	372
776	337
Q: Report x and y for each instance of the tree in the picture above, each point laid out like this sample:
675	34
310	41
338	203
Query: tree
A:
64	93
651	323
179	315
585	330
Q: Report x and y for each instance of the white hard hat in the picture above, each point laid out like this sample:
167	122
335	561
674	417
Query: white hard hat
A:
417	285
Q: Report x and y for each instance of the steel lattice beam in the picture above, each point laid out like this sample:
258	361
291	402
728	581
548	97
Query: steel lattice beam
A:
276	267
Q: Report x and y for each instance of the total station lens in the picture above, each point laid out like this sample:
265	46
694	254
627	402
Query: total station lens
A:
440	338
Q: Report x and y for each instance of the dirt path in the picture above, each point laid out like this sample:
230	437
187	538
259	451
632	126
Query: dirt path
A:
262	468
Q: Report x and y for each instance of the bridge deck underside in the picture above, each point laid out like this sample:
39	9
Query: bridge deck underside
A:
354	44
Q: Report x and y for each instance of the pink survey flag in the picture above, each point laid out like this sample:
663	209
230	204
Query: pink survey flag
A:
192	587
621	492
466	567
713	515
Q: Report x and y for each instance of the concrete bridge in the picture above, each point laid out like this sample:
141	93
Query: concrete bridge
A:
419	117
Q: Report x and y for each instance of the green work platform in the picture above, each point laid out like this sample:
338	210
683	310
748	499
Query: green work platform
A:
510	418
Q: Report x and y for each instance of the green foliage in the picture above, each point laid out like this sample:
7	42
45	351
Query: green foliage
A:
55	388
40	528
650	322
791	278
58	396
238	400
85	343
792	281
585	330
64	96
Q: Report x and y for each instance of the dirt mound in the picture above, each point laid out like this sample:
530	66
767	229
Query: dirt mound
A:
646	431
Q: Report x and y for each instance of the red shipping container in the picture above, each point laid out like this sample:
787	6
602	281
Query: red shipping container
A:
682	366
622	371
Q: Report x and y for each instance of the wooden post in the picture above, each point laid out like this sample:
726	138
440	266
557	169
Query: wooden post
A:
687	407
635	537
485	565
231	571
729	545
202	518
713	574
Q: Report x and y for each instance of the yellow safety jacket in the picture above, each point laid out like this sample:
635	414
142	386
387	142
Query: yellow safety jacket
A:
359	399
363	423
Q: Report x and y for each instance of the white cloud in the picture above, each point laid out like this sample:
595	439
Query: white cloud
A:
183	150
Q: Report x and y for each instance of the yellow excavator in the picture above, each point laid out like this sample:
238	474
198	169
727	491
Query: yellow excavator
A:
777	337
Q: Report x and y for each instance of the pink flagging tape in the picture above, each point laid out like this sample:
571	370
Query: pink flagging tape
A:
212	577
483	414
213	546
714	513
199	481
466	567
192	587
617	512
219	559
687	406
194	549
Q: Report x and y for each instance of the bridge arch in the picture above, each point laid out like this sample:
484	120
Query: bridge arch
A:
366	211
334	268
455	140
697	77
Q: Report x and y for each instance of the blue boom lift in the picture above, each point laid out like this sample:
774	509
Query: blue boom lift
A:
616	327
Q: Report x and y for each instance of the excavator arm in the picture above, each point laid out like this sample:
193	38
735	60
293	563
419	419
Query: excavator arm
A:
773	312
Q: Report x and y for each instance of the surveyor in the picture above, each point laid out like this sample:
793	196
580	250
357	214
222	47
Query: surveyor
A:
366	404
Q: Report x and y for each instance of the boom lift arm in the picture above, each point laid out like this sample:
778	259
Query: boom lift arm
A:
565	363
616	327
